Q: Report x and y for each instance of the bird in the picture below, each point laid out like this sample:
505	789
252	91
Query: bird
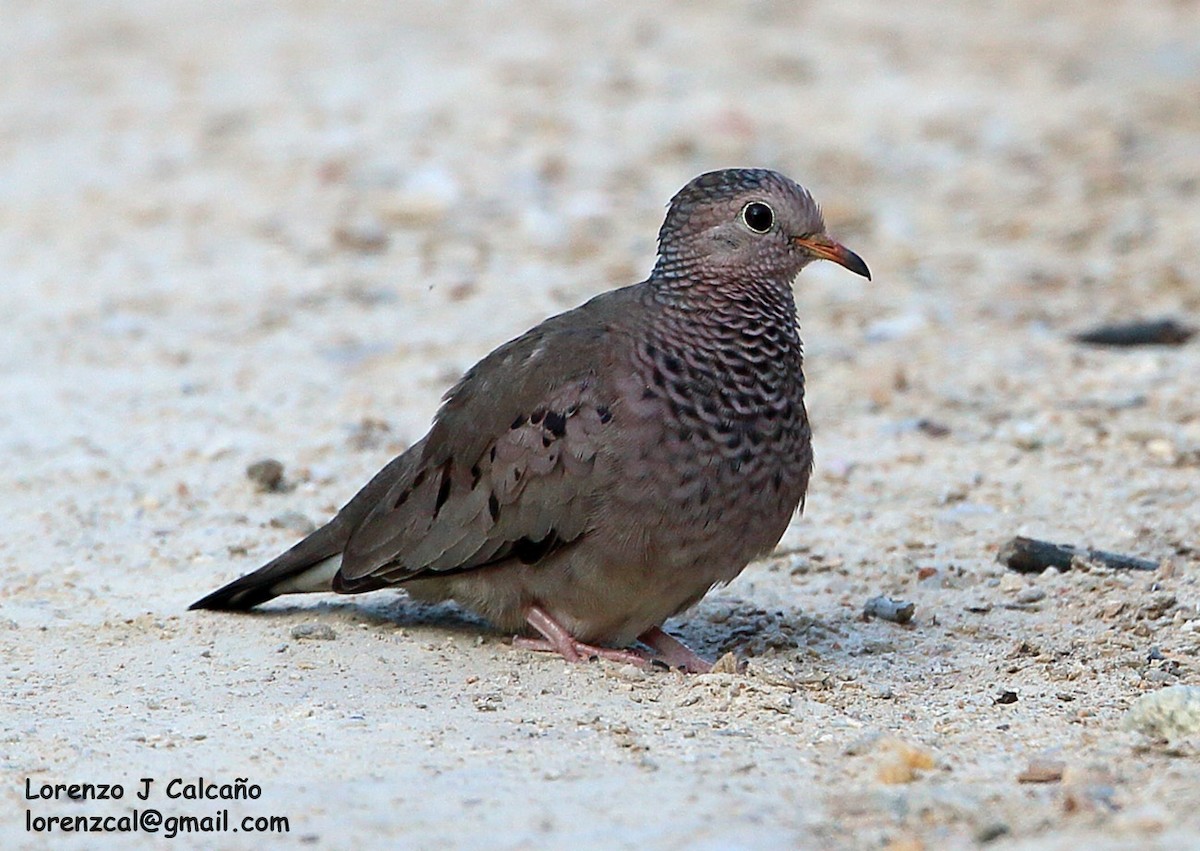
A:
603	471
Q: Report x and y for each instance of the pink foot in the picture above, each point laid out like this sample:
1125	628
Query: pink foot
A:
674	652
556	639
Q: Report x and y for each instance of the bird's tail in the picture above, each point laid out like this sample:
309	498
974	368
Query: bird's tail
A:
312	564
308	566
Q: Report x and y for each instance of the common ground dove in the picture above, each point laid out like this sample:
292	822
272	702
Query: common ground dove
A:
601	472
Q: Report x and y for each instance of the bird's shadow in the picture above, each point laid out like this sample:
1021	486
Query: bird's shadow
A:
715	627
396	611
727	624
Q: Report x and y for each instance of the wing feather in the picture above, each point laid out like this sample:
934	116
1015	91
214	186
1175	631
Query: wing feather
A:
514	463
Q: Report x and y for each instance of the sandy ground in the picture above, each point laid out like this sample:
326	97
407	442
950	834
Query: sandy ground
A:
234	231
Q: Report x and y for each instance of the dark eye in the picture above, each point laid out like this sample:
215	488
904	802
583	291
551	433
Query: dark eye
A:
758	216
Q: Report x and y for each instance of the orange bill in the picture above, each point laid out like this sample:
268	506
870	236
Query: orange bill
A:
822	247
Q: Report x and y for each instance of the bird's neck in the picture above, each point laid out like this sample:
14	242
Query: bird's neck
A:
727	300
732	319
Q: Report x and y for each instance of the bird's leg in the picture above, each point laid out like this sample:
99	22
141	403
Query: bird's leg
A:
556	639
673	652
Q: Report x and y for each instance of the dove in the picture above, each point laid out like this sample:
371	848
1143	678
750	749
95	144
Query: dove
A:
603	471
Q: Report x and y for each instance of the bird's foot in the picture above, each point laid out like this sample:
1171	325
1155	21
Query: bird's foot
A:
578	651
673	652
555	639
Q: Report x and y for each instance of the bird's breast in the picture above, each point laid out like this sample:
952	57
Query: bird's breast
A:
717	453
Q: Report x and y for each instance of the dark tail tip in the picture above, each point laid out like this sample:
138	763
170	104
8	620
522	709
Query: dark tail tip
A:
237	596
215	601
260	586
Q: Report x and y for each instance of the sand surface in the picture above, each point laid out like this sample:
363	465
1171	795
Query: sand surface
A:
233	231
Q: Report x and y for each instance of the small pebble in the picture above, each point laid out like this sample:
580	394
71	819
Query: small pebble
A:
1139	332
1030	595
1042	771
424	198
932	428
1006	696
313	632
885	608
267	474
1171	713
294	521
863	744
991	832
901	761
880	692
727	664
1011	583
365	236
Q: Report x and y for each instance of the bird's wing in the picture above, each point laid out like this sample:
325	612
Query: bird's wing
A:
509	467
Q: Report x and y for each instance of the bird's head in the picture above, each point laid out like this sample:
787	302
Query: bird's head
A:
747	223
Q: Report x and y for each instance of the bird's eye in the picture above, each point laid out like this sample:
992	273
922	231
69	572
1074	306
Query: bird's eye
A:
758	216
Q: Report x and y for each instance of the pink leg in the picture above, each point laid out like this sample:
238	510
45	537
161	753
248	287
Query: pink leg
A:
557	640
673	652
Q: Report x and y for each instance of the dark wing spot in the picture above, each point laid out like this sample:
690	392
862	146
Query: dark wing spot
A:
443	493
536	416
672	364
401	498
518	422
476	475
605	414
530	551
556	423
777	480
419	480
494	507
